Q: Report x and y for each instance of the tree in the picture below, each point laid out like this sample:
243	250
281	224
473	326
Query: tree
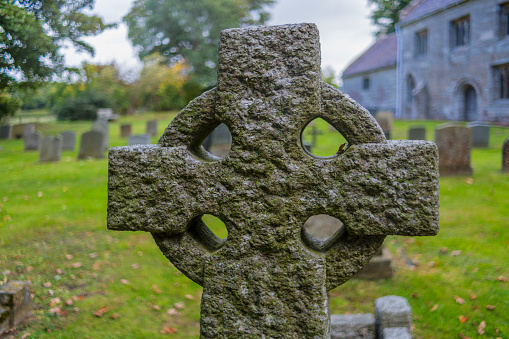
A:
386	14
188	30
31	32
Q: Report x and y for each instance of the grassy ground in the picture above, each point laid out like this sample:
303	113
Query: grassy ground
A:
53	233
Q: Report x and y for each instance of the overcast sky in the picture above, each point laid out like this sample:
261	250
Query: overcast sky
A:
345	31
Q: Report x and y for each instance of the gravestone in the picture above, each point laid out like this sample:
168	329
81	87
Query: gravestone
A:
505	156
454	144
14	303
267	277
5	132
152	128
142	139
219	141
91	145
27	129
102	127
51	149
480	134
32	141
384	119
125	131
69	140
392	312
417	133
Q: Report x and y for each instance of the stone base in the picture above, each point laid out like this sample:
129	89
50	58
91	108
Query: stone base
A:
14	304
392	320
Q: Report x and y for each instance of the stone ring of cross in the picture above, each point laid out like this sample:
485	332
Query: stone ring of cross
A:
269	276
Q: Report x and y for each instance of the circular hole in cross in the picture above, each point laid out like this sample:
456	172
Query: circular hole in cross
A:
321	139
209	231
219	141
216	225
321	231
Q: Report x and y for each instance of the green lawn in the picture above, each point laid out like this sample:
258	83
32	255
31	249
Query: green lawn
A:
53	232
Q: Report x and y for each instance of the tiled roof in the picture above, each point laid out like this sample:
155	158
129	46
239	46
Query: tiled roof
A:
420	8
382	54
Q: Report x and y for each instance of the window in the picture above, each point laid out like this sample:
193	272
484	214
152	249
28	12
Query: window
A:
460	32
421	43
365	83
503	19
502	81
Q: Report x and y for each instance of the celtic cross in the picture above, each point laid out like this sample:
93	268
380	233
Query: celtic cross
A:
269	278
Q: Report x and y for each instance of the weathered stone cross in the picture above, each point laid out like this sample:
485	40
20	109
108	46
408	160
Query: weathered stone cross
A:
269	278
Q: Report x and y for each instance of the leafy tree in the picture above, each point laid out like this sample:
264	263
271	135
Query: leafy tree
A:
386	14
188	30
8	105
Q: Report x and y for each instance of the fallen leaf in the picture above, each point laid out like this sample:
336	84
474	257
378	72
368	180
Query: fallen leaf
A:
69	302
54	310
156	289
463	337
169	330
481	327
59	271
135	266
459	300
443	250
434	308
188	296
96	266
101	311
68	256
92	255
463	319
173	311
29	268
156	307
76	265
473	296
54	301
179	305
124	281
140	253
47	284
24	336
469	181
78	297
39	194
490	307
455	253
115	316
501	278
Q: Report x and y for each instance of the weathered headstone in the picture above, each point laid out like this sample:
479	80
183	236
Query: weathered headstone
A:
32	141
267	278
125	131
417	133
51	149
505	156
91	145
152	128
106	114
5	131
14	304
28	129
480	134
384	119
69	140
454	147
104	128
142	139
379	267
392	312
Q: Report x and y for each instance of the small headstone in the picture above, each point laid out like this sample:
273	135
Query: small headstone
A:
480	134
28	128
505	156
51	149
5	132
142	139
69	140
32	141
392	311
353	326
104	128
379	267
152	128
384	119
125	131
454	147
417	133
91	145
14	304
106	114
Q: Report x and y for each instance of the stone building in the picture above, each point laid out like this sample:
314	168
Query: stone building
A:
452	61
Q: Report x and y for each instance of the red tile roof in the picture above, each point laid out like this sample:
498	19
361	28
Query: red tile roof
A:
382	54
420	8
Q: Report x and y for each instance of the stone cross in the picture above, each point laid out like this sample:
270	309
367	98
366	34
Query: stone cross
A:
269	278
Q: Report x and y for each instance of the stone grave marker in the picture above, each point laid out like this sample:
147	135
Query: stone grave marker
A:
384	119
268	277
480	134
91	145
454	147
27	129
505	156
125	131
104	128
32	141
5	131
152	128
142	139
14	304
69	140
417	133
51	149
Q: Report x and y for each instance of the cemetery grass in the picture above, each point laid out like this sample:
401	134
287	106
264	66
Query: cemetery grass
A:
53	233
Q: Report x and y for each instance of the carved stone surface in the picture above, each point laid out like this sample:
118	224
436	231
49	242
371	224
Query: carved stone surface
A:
480	134
51	149
92	145
14	303
267	277
69	140
454	146
32	141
